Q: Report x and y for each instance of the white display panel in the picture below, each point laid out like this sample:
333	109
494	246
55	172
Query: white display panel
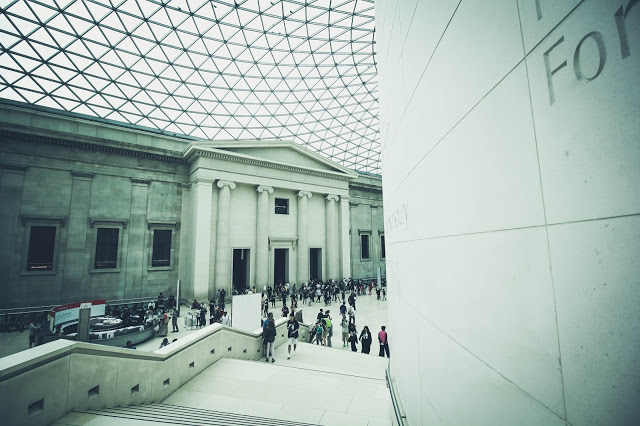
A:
245	312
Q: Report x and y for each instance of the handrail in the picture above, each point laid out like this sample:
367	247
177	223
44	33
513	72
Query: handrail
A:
396	407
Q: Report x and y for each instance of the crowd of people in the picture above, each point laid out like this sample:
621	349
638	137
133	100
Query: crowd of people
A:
316	291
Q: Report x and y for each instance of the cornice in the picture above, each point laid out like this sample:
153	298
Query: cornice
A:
359	186
267	164
14	167
62	220
82	175
163	224
140	182
90	146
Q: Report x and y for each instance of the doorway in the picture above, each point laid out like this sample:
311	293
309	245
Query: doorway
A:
280	266
241	269
315	263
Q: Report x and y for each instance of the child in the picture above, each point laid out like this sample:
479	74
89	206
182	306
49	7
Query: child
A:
353	338
319	329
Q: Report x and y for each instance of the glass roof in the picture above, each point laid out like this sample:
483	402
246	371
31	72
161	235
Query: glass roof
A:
219	70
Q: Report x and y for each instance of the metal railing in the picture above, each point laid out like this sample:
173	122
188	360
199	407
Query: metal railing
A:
400	418
47	308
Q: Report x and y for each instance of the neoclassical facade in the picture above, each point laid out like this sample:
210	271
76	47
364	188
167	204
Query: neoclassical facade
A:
92	209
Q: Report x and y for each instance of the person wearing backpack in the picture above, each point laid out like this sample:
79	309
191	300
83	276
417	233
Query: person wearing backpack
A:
270	338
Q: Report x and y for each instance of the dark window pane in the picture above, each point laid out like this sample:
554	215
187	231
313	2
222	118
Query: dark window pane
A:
282	206
161	248
41	245
364	246
384	254
106	248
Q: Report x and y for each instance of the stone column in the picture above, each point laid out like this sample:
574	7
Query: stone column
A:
200	230
223	240
332	242
136	240
262	237
11	190
345	247
303	237
74	267
184	250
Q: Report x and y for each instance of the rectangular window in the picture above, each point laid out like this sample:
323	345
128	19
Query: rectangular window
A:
383	253
364	246
41	246
161	248
282	206
106	248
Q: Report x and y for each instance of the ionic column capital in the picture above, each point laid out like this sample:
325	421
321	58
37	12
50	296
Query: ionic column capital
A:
222	183
332	197
302	194
264	188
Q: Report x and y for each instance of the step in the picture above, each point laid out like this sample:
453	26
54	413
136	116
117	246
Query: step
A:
174	414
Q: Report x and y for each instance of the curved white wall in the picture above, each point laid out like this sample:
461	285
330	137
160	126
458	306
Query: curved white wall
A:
512	209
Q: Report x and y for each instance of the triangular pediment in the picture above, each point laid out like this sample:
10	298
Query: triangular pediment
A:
276	152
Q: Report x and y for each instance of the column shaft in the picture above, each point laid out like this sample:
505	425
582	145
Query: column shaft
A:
137	236
333	248
345	247
11	190
262	237
72	283
201	237
223	240
303	237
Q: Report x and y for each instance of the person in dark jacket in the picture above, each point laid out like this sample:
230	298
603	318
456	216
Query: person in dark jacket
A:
353	339
366	339
203	316
270	338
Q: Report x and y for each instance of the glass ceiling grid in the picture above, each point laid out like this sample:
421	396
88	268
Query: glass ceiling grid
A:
246	70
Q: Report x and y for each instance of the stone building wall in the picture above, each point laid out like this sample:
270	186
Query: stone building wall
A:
80	176
79	187
367	218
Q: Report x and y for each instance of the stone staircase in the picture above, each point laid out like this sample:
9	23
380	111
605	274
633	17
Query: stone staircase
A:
245	392
188	416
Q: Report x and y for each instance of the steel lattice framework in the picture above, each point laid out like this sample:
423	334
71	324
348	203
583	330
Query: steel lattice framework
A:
255	69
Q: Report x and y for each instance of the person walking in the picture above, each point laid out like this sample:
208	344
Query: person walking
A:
33	329
264	332
292	333
365	338
329	325
270	338
383	339
353	339
319	329
345	330
174	320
